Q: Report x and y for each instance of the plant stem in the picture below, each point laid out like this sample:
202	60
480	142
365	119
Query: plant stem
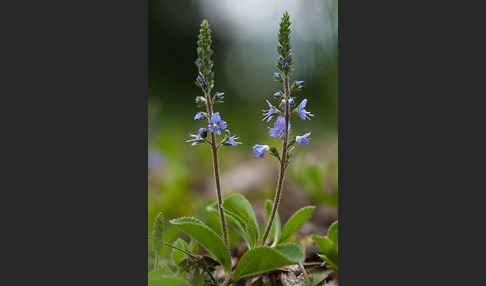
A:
283	160
206	269
306	276
188	253
218	189
214	150
227	280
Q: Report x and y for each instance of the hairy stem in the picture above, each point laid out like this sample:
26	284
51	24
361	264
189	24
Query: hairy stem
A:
283	160
218	189
214	150
188	253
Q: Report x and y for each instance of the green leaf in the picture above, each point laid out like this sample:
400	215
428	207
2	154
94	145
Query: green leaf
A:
206	237
318	277
332	232
154	279
176	255
235	225
324	243
194	246
331	264
328	248
276	227
240	208
291	250
295	222
263	258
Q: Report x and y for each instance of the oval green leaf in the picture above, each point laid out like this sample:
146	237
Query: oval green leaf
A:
263	258
295	222
239	207
206	237
332	233
328	248
233	222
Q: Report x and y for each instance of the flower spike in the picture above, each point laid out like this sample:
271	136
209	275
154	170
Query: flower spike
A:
281	127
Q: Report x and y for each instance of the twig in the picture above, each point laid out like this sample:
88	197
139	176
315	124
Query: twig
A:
306	276
312	263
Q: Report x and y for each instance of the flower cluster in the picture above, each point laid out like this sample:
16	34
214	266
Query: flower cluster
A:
281	109
205	80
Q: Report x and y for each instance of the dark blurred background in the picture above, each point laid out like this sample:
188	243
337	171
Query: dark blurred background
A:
244	41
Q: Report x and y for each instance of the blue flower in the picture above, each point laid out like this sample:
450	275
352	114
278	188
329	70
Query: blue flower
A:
198	116
220	94
197	138
216	124
289	58
303	140
259	150
276	75
286	66
232	139
277	94
299	82
291	100
278	130
304	114
208	60
200	99
268	114
201	80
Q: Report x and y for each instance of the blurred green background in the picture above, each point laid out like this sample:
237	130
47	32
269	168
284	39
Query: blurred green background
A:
181	179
